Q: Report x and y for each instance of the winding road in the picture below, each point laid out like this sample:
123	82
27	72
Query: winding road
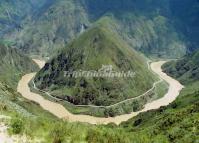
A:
61	112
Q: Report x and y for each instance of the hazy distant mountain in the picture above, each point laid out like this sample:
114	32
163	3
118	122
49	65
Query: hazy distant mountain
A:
13	12
157	28
185	17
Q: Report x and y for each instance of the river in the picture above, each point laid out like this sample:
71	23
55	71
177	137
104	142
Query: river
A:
61	112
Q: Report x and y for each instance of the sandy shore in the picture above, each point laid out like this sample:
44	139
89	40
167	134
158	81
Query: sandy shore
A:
61	112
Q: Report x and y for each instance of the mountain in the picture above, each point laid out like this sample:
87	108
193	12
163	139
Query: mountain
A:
145	25
175	122
185	20
88	34
171	124
51	28
179	20
98	8
96	47
185	70
13	12
13	65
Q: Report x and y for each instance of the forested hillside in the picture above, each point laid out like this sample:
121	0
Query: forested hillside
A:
153	27
186	69
186	20
96	47
84	35
13	65
13	12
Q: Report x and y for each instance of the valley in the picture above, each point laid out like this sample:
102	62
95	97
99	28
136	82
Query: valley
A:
97	46
58	59
58	110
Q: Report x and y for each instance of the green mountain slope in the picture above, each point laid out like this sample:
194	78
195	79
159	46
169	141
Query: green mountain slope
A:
96	47
149	26
154	36
185	70
51	28
13	12
13	65
145	25
13	103
177	122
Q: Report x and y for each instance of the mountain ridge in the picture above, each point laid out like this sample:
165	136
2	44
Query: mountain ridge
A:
151	30
96	47
13	65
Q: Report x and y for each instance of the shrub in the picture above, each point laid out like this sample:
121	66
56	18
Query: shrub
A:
58	133
17	126
93	136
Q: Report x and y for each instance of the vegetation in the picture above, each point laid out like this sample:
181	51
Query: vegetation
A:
94	48
185	70
145	25
16	126
176	123
51	27
13	65
166	28
126	107
12	13
185	15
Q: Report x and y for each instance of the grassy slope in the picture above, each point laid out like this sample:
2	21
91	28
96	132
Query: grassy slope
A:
176	123
94	48
29	119
13	65
13	103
